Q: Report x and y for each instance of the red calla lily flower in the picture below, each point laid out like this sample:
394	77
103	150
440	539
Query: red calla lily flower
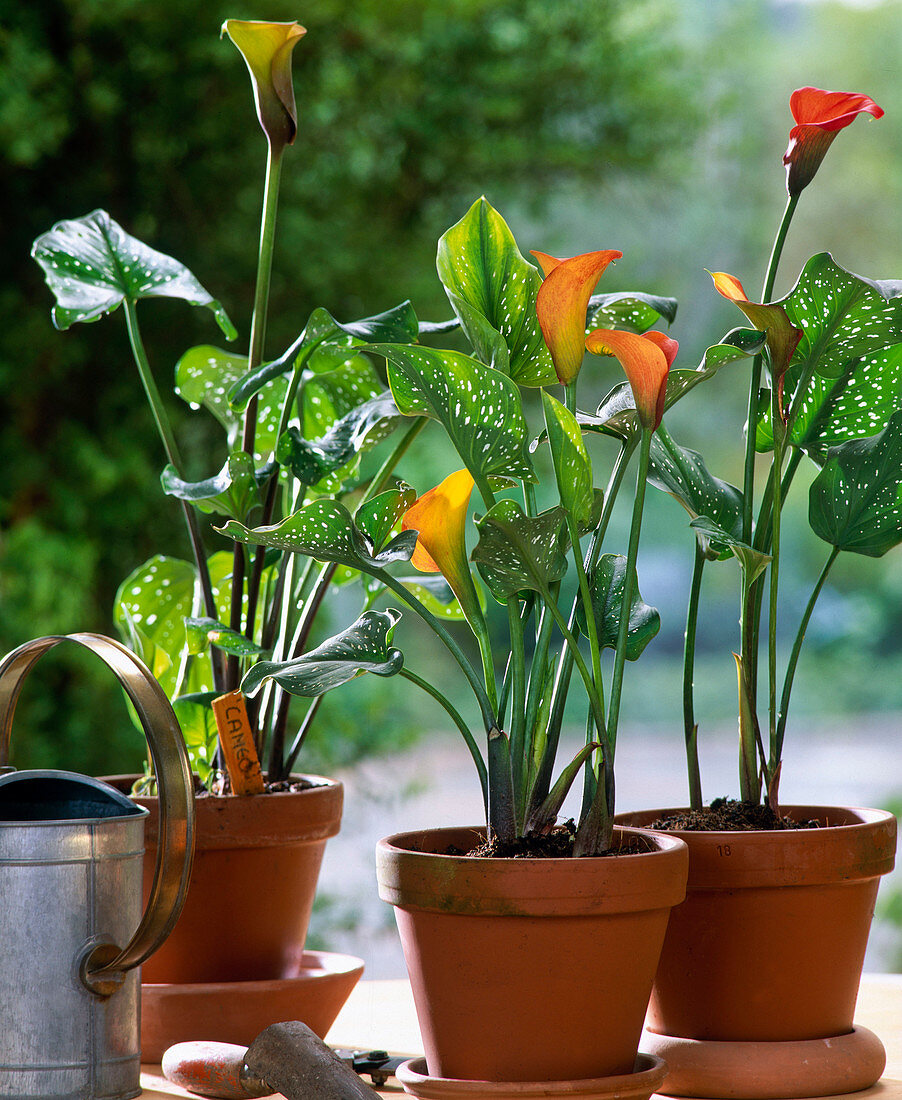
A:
561	306
770	318
646	361
819	117
439	518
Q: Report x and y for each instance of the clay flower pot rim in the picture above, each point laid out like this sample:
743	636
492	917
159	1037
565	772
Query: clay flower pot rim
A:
401	842
867	816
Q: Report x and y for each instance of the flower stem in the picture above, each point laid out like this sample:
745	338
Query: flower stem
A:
167	438
628	588
690	727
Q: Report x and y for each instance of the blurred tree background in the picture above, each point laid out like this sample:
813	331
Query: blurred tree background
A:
644	125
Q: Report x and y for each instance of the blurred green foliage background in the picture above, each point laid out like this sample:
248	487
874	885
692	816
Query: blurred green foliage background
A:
644	125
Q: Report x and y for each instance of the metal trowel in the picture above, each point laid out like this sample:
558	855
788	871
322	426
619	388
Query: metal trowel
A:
288	1058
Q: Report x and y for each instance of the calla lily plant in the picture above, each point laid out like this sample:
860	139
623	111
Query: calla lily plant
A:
825	388
522	521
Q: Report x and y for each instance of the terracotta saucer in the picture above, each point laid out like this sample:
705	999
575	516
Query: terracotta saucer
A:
648	1073
236	1012
765	1070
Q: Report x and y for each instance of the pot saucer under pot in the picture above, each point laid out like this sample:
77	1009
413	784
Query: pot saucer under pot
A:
647	1075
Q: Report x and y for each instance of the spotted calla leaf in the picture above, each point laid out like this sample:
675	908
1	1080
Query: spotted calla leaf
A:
436	595
751	561
150	609
233	492
849	360
363	647
92	265
493	289
629	310
516	552
203	377
312	460
201	633
606	586
377	518
683	474
331	343
478	407
855	502
324	529
198	725
616	415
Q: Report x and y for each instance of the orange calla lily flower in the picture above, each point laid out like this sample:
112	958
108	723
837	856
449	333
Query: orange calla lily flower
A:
561	306
782	336
646	361
819	117
439	518
266	48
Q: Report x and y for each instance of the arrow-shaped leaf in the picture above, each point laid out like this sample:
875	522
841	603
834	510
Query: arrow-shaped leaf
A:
377	518
478	407
233	492
517	552
629	310
92	265
751	561
849	360
855	502
684	475
202	633
324	529
363	647
492	289
572	465
606	586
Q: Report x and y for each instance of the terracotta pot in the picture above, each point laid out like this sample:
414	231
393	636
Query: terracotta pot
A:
529	969
769	944
256	865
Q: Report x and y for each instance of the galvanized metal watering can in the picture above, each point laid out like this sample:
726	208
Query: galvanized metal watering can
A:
71	851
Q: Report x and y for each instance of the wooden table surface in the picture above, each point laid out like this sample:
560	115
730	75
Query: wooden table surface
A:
380	1016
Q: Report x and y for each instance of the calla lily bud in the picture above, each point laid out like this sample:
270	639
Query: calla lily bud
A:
266	49
646	363
819	117
768	317
561	305
439	518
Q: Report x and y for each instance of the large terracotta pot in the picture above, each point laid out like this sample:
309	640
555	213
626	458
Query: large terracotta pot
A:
529	969
768	948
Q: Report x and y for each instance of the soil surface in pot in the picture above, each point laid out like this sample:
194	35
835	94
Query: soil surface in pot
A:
558	844
728	815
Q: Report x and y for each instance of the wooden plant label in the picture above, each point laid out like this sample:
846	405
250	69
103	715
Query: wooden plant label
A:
237	740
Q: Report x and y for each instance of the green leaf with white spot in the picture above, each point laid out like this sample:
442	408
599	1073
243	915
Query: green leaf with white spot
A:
855	502
363	647
233	492
324	529
845	378
493	289
326	344
683	474
202	633
92	265
203	377
150	609
629	310
572	465
378	518
313	460
436	595
516	552
201	735
478	407
752	562
606	586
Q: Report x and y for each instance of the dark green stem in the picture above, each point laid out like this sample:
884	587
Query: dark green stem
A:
690	727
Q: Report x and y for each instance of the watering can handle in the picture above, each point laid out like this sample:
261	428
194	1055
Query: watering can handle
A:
104	967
